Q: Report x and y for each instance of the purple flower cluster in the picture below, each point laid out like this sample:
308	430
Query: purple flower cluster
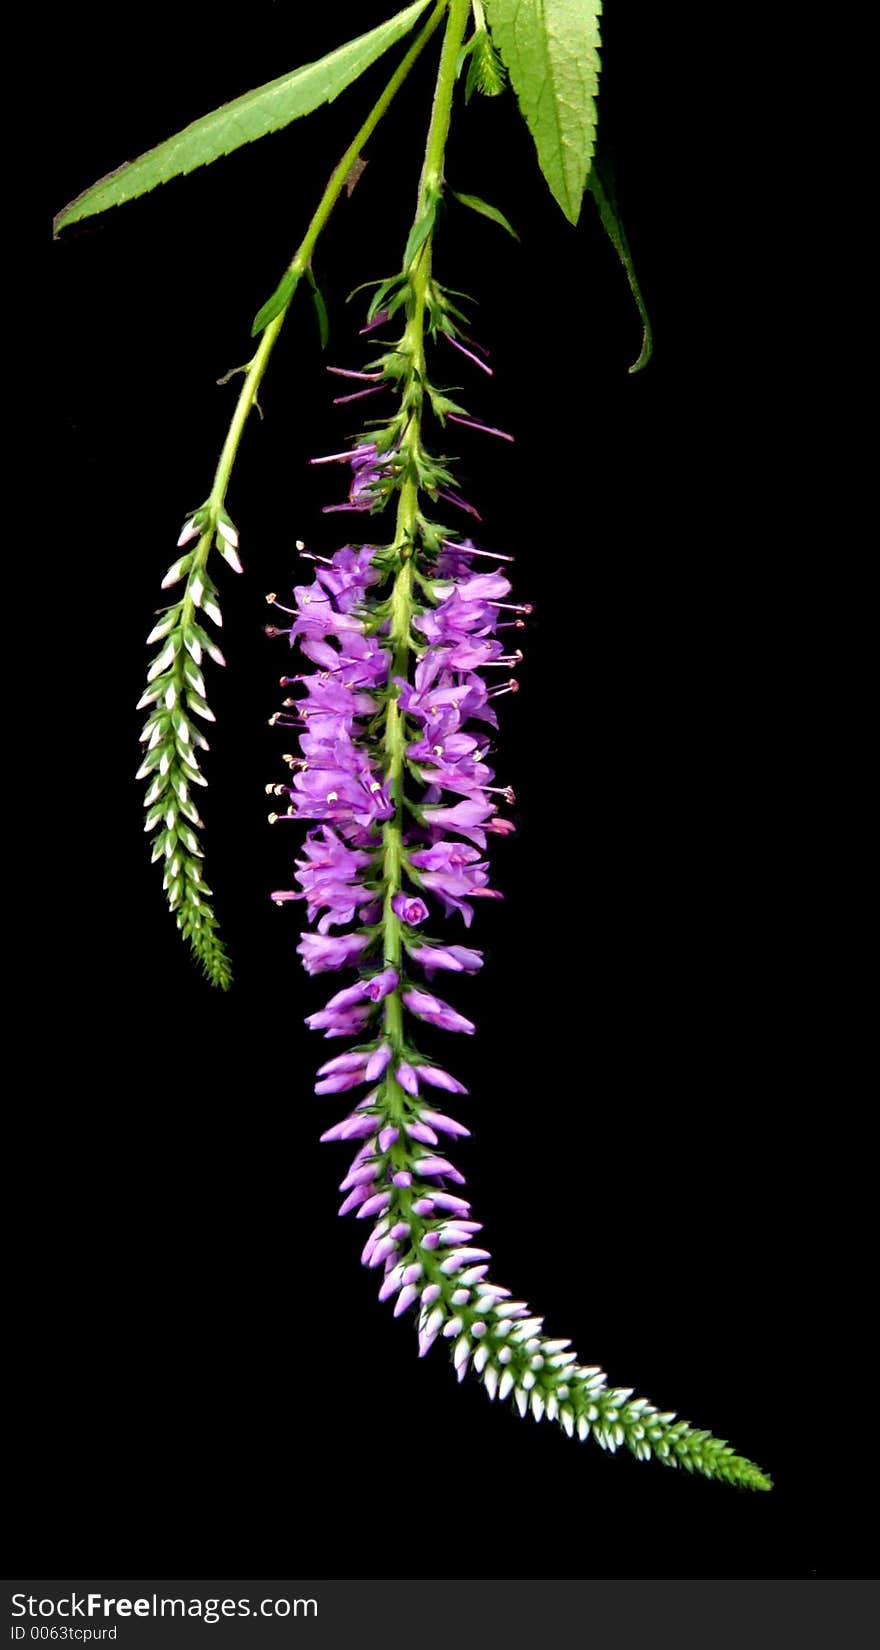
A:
338	778
393	772
400	1178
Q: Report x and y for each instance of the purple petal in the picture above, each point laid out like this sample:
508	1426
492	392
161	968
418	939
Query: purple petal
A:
374	1205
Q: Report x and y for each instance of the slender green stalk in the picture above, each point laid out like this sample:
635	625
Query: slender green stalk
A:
438	132
303	255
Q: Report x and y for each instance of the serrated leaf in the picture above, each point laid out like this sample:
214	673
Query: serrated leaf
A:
485	69
550	49
265	109
486	211
602	190
279	300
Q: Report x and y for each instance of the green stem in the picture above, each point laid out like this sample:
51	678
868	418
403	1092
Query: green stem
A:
432	171
303	255
406	527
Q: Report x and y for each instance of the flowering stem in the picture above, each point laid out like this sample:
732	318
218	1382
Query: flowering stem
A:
303	255
413	351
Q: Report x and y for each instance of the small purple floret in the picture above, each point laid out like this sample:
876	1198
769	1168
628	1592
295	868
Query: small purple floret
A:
409	908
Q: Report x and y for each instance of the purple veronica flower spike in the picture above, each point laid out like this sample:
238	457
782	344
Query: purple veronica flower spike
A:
394	723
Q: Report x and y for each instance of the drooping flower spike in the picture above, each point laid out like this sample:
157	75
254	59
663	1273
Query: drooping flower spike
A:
383	872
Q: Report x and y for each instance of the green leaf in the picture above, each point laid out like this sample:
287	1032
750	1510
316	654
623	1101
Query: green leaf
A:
485	211
419	233
394	284
320	310
550	49
602	189
279	300
265	109
485	69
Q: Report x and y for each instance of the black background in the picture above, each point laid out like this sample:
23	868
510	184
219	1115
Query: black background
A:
207	1374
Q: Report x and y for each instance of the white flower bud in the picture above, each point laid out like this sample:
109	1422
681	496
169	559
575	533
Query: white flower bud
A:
166	658
175	571
230	555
